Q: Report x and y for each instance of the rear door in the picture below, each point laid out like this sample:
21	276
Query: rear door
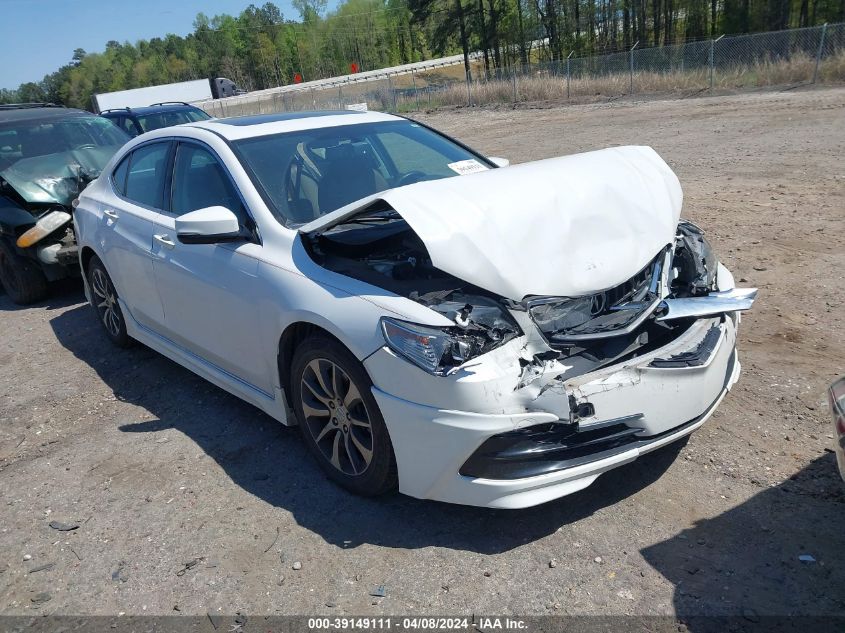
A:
211	292
138	185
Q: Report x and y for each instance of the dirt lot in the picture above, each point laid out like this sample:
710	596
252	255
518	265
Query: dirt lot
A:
163	472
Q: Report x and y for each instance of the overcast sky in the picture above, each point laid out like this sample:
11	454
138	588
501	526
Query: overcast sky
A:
38	36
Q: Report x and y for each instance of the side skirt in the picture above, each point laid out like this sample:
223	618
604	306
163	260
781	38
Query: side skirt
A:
275	405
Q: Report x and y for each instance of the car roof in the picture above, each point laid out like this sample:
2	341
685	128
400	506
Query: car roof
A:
236	128
151	109
39	114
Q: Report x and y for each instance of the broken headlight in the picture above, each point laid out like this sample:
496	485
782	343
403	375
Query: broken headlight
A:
695	262
45	225
481	325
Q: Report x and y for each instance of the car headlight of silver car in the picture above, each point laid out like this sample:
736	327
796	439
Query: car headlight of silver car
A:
481	325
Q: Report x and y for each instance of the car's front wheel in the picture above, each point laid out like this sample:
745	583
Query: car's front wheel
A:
104	301
21	278
339	419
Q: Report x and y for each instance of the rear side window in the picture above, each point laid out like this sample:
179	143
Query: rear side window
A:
119	176
147	173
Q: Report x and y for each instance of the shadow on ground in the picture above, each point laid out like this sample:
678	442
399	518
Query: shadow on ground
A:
745	562
267	459
63	293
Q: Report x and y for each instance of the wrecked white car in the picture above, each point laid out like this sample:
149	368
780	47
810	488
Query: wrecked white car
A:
469	333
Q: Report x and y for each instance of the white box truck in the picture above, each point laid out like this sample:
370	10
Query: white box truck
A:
183	91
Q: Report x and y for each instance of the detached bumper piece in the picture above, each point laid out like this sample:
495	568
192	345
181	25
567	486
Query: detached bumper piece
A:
549	448
734	300
694	357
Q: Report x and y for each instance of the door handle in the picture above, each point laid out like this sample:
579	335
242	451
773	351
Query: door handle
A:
164	240
111	214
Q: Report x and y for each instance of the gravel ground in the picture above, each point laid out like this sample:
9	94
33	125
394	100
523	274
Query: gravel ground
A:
190	501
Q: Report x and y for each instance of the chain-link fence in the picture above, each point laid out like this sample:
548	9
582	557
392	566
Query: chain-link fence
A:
726	64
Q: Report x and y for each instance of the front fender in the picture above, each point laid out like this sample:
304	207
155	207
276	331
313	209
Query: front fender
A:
13	219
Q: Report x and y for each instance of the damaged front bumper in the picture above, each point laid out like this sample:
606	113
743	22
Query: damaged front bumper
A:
472	438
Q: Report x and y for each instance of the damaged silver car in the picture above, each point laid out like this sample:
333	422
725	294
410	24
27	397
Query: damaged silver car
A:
431	318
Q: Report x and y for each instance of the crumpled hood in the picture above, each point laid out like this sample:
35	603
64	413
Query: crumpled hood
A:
57	178
564	226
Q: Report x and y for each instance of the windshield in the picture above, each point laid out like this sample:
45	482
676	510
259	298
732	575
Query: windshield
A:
48	161
27	139
303	175
173	117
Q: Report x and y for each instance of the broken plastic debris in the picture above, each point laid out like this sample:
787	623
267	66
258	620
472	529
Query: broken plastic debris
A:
189	565
63	527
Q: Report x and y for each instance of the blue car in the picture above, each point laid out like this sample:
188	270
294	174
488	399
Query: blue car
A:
135	121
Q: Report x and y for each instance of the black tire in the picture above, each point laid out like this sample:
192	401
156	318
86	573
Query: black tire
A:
22	278
340	428
104	301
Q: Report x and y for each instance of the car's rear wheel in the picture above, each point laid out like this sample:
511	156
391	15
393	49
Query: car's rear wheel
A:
22	279
105	303
339	419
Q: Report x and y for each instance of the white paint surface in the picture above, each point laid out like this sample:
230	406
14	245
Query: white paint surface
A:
186	91
565	226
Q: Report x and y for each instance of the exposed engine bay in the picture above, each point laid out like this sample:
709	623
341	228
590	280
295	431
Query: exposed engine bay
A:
377	246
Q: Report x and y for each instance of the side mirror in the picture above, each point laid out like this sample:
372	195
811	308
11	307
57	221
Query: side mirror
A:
211	225
499	162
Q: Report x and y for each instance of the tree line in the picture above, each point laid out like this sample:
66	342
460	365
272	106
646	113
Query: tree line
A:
261	48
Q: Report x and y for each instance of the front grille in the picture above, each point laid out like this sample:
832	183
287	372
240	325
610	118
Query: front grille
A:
609	313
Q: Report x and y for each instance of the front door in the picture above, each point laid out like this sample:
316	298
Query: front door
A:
210	292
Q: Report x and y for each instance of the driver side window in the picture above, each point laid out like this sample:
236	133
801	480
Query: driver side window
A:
200	181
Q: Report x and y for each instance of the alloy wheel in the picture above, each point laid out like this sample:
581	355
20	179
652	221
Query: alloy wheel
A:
106	301
336	416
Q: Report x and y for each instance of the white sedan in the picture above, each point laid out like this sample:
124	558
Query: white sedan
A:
432	319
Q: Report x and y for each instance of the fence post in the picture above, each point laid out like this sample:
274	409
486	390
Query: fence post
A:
632	65
819	52
513	80
416	94
712	58
712	44
567	74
